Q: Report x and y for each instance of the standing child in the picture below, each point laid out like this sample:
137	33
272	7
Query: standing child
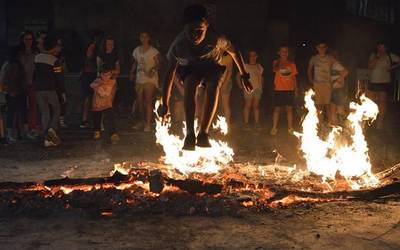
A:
47	79
195	55
145	73
252	100
104	89
285	88
319	75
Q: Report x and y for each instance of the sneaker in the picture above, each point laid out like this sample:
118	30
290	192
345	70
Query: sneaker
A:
48	143
246	127
84	125
97	135
274	131
114	139
190	142
53	136
202	141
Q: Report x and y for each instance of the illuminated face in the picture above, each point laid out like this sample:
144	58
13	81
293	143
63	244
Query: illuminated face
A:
28	41
196	32
381	48
106	75
322	48
109	45
283	53
253	57
144	38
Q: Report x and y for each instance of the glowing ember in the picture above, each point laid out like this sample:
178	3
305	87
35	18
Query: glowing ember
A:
202	160
331	156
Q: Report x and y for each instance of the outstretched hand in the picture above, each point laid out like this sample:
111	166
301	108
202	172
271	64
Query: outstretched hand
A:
247	86
163	113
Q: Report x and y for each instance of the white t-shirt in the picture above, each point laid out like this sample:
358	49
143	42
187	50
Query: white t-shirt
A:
255	71
146	71
380	73
336	69
322	68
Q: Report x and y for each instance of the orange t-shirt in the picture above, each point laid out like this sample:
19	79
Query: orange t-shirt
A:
285	76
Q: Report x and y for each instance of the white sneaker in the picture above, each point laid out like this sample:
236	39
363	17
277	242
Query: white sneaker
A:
48	144
53	136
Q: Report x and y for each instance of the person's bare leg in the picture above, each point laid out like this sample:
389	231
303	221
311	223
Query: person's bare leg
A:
289	117
275	117
200	99
148	91
382	109
210	107
225	98
85	110
246	110
333	114
140	108
190	108
256	110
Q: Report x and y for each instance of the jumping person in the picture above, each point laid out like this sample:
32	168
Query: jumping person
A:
195	55
285	88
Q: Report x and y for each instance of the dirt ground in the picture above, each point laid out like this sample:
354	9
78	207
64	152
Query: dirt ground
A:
338	225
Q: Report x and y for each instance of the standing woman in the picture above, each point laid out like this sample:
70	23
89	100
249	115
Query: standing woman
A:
27	50
88	75
145	74
380	65
108	56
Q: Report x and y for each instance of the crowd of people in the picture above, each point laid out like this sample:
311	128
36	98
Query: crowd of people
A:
199	74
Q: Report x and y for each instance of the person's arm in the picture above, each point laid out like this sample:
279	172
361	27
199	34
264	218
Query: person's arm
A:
373	59
275	66
238	59
167	88
117	70
395	60
132	72
60	86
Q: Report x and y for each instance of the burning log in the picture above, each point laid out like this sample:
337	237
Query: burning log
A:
390	189
196	186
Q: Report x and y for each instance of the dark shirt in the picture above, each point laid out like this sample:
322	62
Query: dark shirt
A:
109	59
13	77
48	74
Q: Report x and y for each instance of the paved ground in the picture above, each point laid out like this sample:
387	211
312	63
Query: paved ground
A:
341	225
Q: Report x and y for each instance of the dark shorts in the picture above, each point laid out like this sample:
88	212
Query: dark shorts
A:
284	98
339	97
86	79
379	87
205	72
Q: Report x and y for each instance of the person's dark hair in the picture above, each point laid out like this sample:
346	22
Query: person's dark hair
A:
321	41
50	42
21	45
194	13
95	48
105	68
103	45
